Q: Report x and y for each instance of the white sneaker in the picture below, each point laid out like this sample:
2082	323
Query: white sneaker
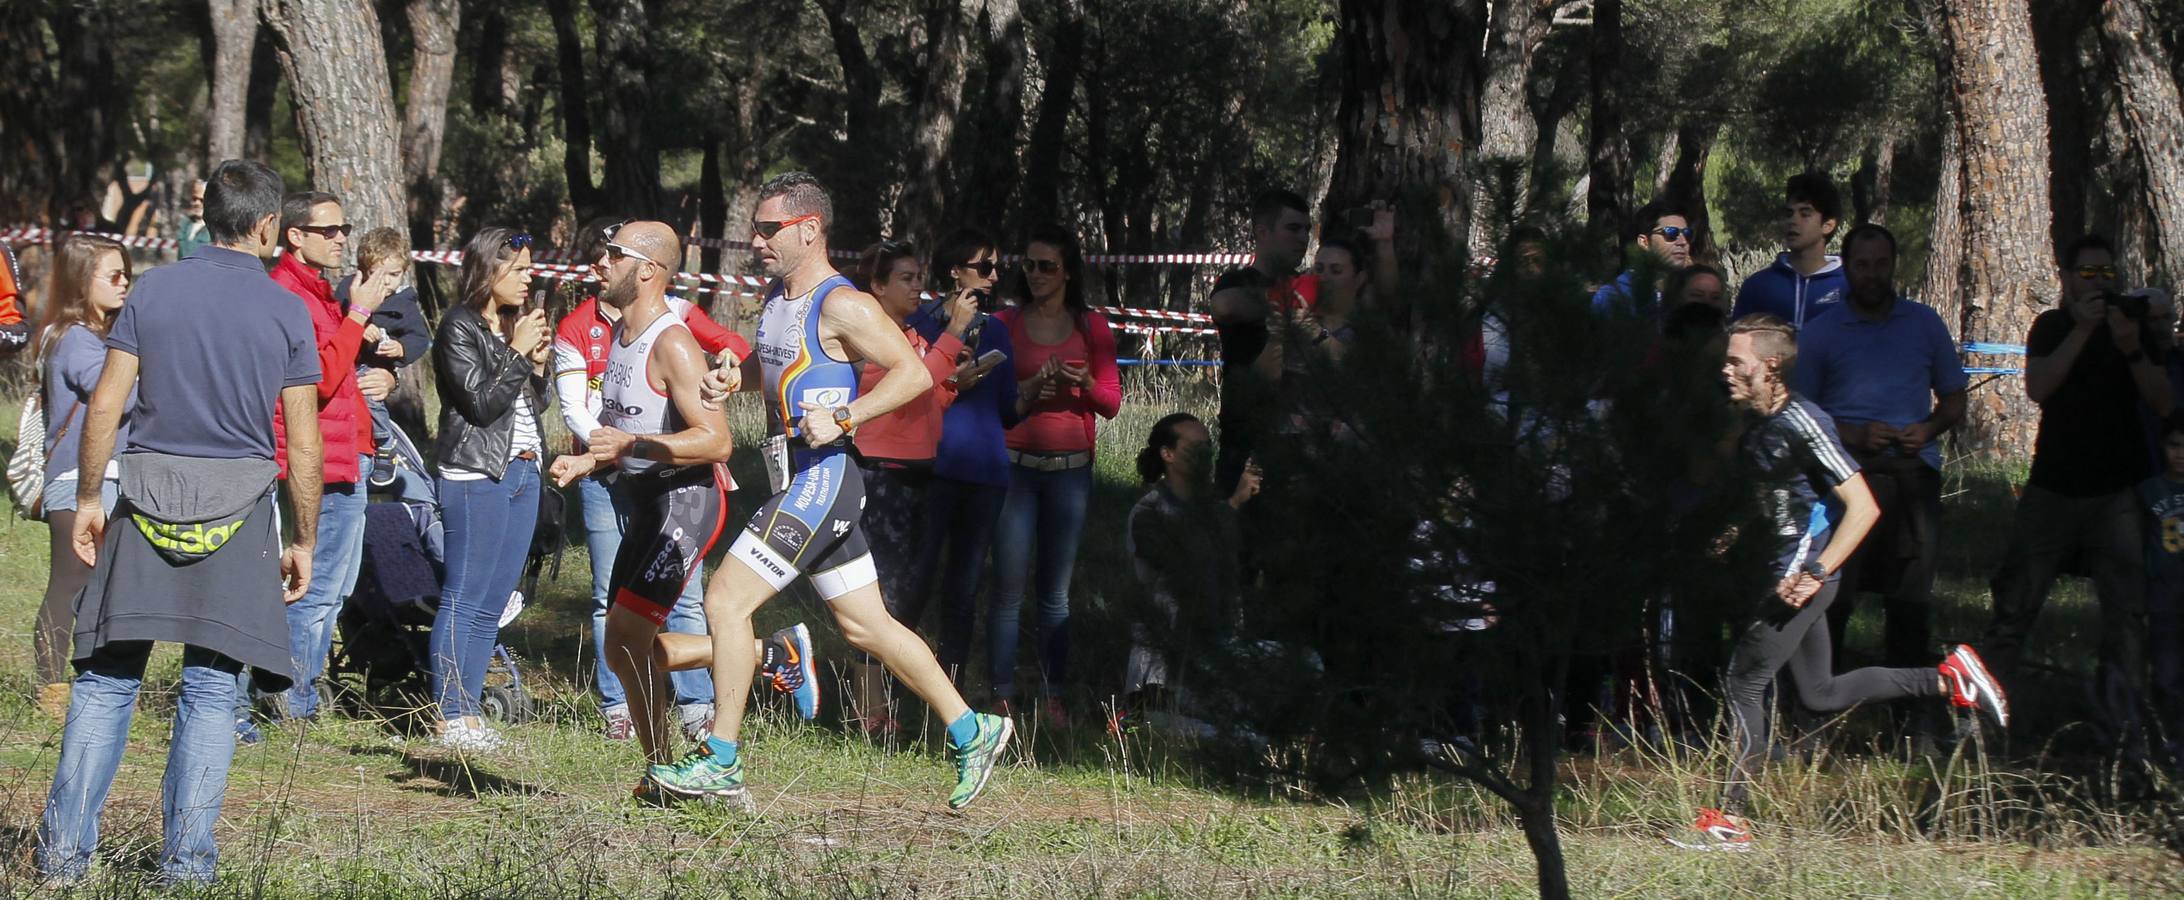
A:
462	738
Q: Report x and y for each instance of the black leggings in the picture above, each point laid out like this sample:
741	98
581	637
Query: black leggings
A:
65	578
1800	642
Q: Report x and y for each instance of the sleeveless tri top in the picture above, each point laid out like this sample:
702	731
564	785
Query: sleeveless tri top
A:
627	398
794	363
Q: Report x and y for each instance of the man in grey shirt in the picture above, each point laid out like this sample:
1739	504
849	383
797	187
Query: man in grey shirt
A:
213	344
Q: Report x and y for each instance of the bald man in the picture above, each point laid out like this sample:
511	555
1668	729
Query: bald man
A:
670	449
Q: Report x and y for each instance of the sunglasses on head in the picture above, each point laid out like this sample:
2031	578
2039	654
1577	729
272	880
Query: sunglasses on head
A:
983	268
1672	233
518	241
1045	266
616	251
2096	273
327	231
767	230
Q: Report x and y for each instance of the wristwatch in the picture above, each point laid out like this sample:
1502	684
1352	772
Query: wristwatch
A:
1816	569
843	420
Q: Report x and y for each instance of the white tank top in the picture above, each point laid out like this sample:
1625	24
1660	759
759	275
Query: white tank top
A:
627	399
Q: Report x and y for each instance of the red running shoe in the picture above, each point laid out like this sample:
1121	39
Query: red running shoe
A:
1973	687
1717	830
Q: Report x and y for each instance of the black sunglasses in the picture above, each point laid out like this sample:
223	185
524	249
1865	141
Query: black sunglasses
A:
983	267
327	231
1046	266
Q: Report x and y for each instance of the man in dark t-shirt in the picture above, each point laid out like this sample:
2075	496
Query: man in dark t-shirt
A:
1250	305
2088	369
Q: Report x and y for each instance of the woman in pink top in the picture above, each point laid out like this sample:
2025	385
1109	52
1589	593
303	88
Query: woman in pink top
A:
1065	366
896	452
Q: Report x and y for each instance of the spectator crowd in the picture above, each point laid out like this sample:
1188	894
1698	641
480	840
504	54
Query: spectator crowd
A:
232	408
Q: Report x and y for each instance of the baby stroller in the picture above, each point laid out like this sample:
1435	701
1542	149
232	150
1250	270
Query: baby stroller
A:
386	627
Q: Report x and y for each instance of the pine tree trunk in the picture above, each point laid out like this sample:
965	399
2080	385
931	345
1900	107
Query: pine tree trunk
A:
2056	28
1608	199
626	141
1686	182
1869	186
1410	102
853	179
265	85
234	37
1507	131
984	202
1942	282
433	25
2001	123
337	77
712	202
576	131
2154	116
1064	64
940	104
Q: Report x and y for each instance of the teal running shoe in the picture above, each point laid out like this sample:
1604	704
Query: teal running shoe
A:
699	776
975	761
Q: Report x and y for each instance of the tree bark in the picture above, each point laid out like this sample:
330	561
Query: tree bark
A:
234	40
337	78
1608	199
576	130
1064	64
1410	106
1548	176
985	201
853	178
626	140
1685	185
488	84
433	25
1507	131
712	202
1869	185
265	86
940	104
2153	115
2056	29
1944	276
2001	126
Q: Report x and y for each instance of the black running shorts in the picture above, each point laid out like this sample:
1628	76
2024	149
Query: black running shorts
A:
674	519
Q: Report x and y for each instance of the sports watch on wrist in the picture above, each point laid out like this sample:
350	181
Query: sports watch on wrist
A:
1816	569
843	420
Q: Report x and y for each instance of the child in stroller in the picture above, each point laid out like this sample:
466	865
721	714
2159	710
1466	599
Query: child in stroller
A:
387	624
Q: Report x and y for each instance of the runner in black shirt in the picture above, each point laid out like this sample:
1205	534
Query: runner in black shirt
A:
1788	451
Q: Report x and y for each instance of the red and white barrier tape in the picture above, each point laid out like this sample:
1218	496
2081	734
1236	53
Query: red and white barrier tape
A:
35	234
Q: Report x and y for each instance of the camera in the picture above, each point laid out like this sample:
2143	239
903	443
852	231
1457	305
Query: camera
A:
2134	305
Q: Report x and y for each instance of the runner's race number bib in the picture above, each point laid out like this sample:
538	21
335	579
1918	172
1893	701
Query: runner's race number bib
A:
776	450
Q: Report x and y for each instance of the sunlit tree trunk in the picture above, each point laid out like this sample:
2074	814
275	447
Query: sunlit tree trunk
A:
337	76
2154	116
940	104
433	26
1506	128
2001	124
234	39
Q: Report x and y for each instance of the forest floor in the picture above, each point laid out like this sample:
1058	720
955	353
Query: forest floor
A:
358	807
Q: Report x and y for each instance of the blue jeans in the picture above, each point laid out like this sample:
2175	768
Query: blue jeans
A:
100	705
1046	509
489	525
335	561
606	513
959	521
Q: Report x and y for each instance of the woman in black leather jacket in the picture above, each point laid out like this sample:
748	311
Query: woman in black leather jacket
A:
490	359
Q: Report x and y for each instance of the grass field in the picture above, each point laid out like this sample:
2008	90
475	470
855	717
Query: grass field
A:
355	808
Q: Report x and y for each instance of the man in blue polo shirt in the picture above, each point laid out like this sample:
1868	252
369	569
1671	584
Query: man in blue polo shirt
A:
1884	367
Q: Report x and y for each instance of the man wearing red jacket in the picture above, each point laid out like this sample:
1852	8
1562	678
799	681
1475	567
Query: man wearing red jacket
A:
315	240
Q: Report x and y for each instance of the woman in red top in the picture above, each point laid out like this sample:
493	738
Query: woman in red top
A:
895	452
1065	366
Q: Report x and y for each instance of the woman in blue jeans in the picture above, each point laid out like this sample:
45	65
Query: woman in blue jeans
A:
490	359
971	465
1066	382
